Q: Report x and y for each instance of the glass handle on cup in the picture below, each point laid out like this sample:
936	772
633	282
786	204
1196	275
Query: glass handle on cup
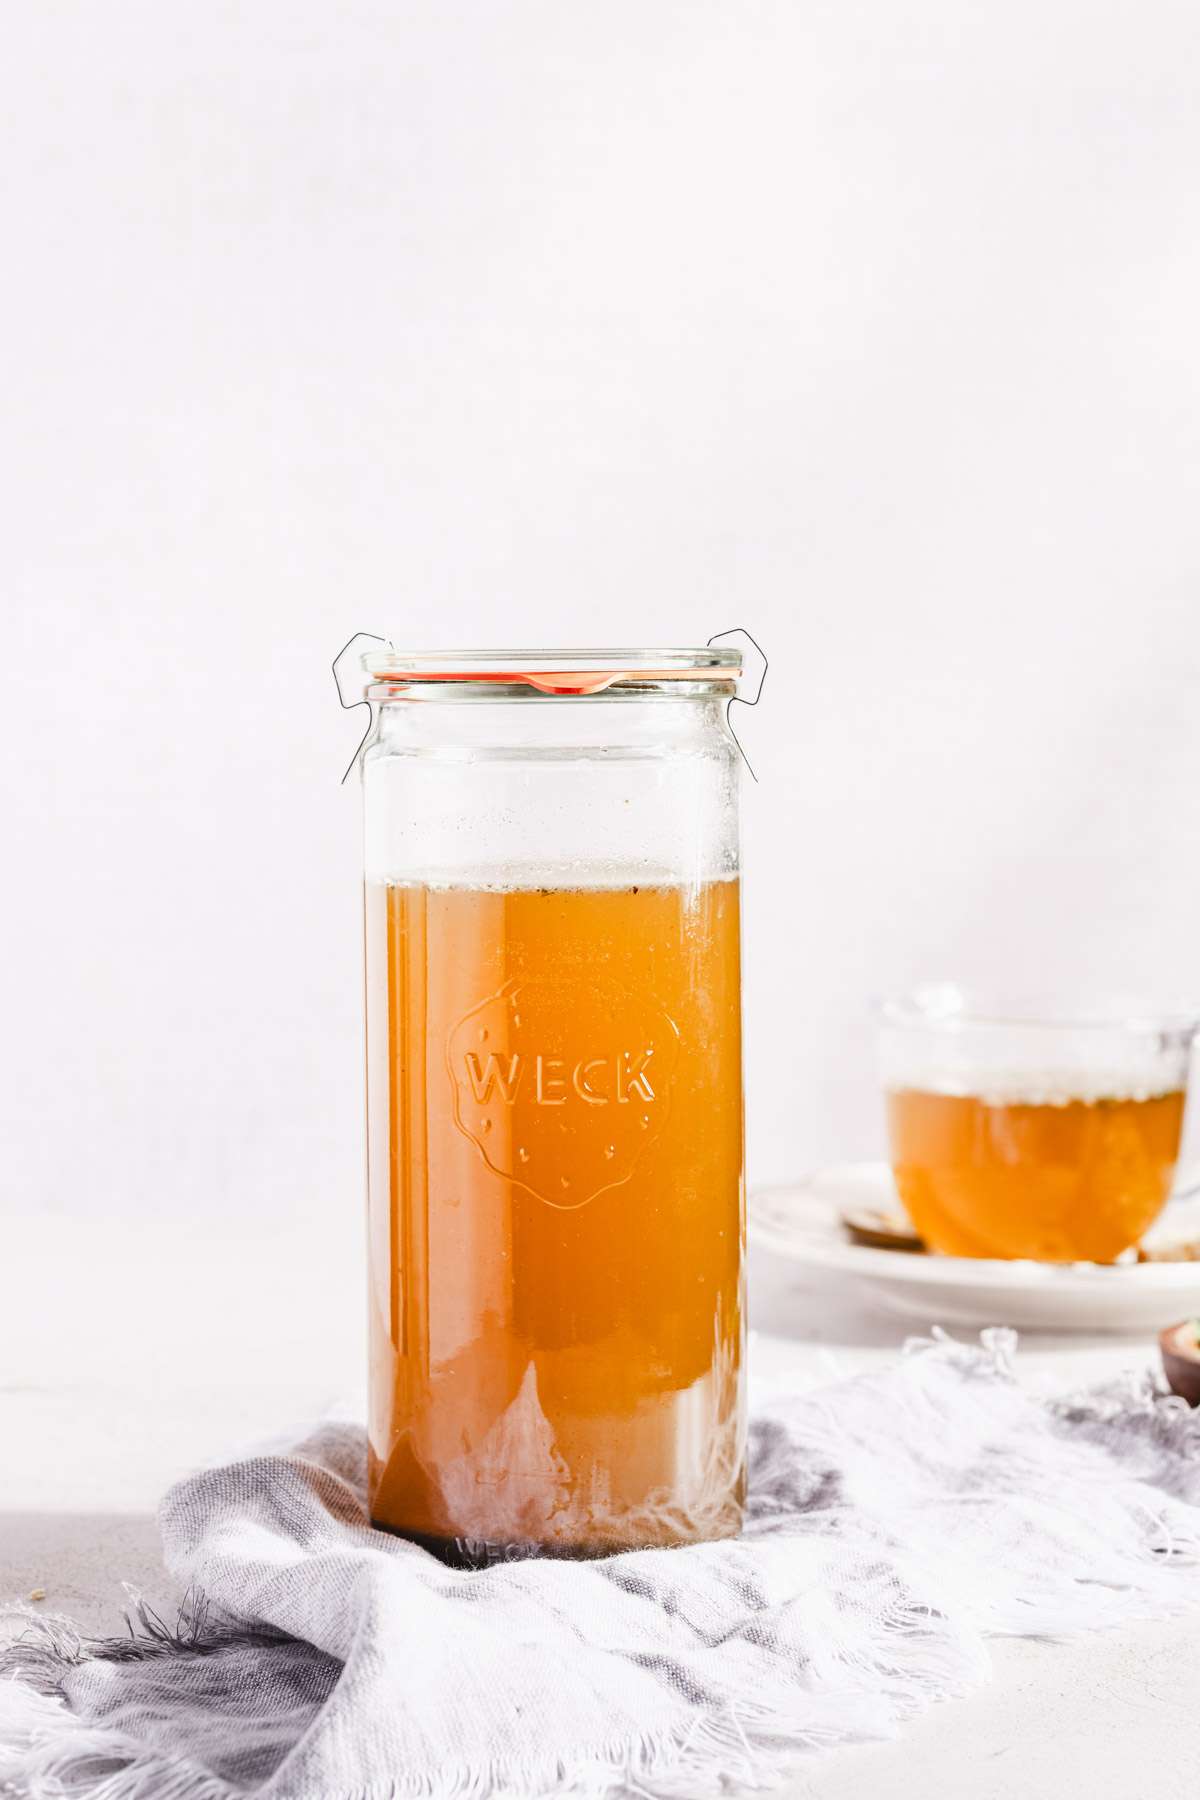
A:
1186	1185
1191	1185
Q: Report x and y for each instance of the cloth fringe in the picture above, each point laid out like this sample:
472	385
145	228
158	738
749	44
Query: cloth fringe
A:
896	1522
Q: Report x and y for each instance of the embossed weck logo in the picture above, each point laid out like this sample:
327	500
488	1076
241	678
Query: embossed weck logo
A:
564	1120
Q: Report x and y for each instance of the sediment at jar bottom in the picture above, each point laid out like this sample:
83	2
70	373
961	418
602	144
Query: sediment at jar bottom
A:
486	1553
1056	1177
556	1216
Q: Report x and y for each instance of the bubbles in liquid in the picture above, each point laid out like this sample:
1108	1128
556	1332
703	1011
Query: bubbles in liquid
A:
1155	1077
483	1034
522	1153
610	1150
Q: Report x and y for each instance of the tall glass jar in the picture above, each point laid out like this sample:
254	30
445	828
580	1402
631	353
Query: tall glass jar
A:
555	1129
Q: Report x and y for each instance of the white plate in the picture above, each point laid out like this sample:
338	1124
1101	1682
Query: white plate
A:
803	1223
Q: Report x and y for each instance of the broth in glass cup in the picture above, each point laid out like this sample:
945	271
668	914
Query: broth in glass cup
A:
1030	1132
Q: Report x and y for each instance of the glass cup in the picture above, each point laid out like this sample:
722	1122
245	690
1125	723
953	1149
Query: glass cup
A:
1032	1133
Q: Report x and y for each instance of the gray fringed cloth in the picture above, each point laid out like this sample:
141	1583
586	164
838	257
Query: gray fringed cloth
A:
896	1520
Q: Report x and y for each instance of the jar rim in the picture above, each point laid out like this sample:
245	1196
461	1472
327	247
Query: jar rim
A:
555	671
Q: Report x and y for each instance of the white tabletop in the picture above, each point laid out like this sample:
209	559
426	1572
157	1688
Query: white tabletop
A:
127	1358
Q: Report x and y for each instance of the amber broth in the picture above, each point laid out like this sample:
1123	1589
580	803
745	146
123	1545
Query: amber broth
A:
556	1198
1062	1179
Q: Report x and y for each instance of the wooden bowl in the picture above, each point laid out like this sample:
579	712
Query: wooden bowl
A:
1180	1347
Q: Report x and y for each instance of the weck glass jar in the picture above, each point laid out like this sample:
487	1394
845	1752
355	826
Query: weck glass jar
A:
555	1160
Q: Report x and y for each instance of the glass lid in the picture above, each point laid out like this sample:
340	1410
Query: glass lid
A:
555	671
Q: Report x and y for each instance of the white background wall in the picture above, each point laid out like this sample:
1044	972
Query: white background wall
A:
870	324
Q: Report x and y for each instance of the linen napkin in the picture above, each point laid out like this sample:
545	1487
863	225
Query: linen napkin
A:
895	1521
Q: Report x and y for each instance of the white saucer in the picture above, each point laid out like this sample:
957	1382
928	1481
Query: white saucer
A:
803	1223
